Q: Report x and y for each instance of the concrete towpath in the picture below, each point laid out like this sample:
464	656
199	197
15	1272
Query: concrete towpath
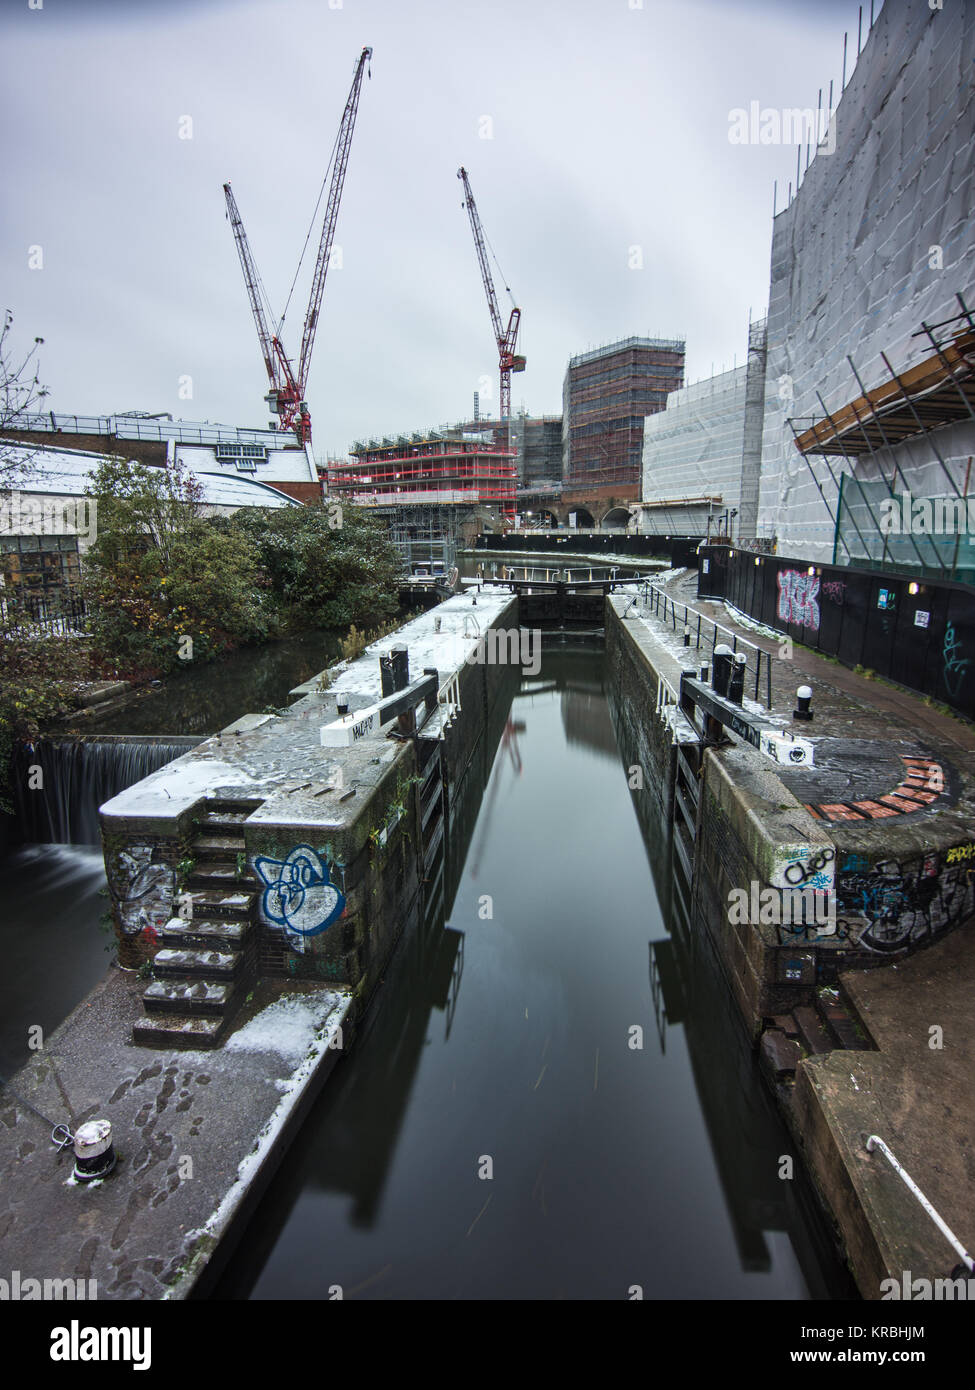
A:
198	1136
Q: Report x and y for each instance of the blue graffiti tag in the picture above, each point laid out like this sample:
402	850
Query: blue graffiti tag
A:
299	894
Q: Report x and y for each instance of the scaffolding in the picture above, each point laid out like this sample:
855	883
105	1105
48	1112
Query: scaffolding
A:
609	393
426	537
427	487
873	519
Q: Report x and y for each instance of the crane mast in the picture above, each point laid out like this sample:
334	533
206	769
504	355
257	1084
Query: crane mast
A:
508	360
287	394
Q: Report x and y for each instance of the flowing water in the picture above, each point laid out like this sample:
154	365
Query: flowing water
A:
542	1125
53	950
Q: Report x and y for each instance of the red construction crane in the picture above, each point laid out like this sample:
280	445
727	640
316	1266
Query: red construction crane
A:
287	394
507	338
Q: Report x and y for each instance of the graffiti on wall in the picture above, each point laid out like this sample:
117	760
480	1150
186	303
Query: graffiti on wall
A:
955	664
894	907
799	869
143	891
797	598
834	589
299	896
886	908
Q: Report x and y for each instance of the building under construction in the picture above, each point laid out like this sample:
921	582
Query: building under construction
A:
870	385
433	488
606	396
535	441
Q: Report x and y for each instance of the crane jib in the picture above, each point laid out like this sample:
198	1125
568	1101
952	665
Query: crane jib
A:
287	385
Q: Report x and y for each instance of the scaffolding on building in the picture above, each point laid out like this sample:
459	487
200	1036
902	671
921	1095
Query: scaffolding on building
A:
910	405
429	487
609	393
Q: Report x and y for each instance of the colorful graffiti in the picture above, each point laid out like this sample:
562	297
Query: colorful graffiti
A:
143	891
299	895
797	598
893	907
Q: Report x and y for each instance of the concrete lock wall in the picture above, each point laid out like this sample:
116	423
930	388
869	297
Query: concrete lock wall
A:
370	841
877	240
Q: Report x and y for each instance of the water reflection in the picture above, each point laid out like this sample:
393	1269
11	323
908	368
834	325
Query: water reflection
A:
612	1165
206	698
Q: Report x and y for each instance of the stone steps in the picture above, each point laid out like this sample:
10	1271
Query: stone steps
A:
812	1031
210	933
222	822
218	846
809	1031
213	874
841	1023
185	997
222	903
206	965
199	973
180	1030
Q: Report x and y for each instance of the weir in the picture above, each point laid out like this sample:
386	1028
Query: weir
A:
59	783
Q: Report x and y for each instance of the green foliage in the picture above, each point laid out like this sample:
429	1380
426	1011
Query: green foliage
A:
39	678
320	575
159	573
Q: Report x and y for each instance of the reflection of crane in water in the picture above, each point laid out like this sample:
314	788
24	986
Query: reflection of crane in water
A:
509	744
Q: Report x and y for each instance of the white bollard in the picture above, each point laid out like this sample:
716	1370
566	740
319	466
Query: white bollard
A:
94	1154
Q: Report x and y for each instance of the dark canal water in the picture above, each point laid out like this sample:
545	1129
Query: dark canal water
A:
613	1166
203	699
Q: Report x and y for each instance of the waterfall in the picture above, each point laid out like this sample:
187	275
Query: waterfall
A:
77	775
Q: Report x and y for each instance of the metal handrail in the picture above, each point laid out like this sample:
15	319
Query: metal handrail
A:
874	1141
655	592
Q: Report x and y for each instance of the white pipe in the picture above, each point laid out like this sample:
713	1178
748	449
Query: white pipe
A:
874	1141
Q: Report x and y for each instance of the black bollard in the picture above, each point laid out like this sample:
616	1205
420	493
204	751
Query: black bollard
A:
721	669
736	681
803	701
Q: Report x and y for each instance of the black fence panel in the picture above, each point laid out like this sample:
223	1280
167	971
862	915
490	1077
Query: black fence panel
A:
680	551
920	633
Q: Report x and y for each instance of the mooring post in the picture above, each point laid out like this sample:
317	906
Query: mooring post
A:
721	669
736	679
394	670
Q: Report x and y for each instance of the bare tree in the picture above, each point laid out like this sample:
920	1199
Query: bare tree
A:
21	394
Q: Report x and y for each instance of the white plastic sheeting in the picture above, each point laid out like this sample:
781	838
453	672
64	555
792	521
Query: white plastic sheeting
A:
854	264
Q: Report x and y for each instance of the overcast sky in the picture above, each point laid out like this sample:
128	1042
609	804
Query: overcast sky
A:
609	124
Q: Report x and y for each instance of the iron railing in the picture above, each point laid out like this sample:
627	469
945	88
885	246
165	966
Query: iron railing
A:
698	630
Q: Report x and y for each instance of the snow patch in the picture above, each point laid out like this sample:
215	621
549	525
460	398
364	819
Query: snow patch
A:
287	1027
